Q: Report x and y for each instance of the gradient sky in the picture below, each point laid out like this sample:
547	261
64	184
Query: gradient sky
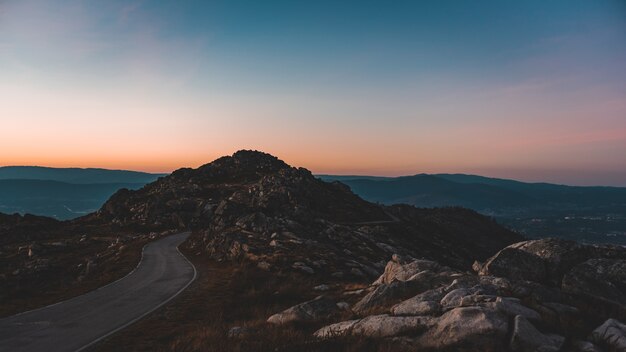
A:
532	90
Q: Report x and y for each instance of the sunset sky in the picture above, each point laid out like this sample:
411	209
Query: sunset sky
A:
531	90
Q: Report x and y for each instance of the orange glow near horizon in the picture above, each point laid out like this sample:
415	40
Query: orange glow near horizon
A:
102	85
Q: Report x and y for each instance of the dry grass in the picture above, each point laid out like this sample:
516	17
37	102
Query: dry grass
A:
228	295
59	282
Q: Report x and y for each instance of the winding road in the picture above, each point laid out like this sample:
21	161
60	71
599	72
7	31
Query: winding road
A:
80	322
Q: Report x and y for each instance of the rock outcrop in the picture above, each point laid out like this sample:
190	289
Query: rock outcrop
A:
462	312
310	311
611	335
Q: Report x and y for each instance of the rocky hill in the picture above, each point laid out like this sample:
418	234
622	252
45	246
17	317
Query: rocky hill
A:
253	205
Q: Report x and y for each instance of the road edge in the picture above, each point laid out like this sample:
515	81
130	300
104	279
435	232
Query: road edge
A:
195	275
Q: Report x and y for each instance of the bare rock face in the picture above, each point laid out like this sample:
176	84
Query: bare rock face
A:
387	294
400	269
334	330
377	326
611	335
601	278
415	307
544	261
515	264
425	303
584	346
512	307
550	270
526	338
467	329
309	311
447	310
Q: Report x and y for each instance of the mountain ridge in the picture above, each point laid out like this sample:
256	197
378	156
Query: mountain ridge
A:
76	175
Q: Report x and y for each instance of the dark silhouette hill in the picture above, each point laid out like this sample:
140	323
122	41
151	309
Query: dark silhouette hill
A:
590	214
59	200
63	193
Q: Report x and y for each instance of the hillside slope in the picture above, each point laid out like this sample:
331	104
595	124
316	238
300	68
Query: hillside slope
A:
537	210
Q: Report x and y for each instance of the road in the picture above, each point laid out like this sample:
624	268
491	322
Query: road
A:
80	322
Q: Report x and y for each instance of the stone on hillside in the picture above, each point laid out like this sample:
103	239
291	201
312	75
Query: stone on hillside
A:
377	326
599	278
322	287
611	334
414	304
409	307
454	297
559	254
357	272
309	311
386	294
469	328
343	305
337	275
465	297
535	292
334	330
303	267
386	325
584	346
526	338
264	266
512	307
399	269
501	285
514	264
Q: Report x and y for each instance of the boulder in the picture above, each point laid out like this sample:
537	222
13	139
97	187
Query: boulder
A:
513	307
611	334
526	338
264	266
584	346
303	267
559	255
453	298
343	305
386	294
377	326
322	287
399	269
598	278
467	296
310	311
414	305
334	330
514	264
411	307
467	329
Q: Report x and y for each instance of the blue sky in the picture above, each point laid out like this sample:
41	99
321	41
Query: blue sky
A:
532	90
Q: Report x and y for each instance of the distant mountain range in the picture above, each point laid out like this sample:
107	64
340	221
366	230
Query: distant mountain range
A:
492	195
76	175
63	193
592	214
588	214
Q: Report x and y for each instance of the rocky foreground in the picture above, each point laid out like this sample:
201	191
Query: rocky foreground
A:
541	295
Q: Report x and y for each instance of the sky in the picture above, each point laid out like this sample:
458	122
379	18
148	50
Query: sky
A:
530	90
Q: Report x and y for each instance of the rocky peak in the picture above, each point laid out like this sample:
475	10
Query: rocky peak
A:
243	164
252	204
245	183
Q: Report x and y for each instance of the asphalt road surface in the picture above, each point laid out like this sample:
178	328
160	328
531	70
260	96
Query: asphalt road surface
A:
82	321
